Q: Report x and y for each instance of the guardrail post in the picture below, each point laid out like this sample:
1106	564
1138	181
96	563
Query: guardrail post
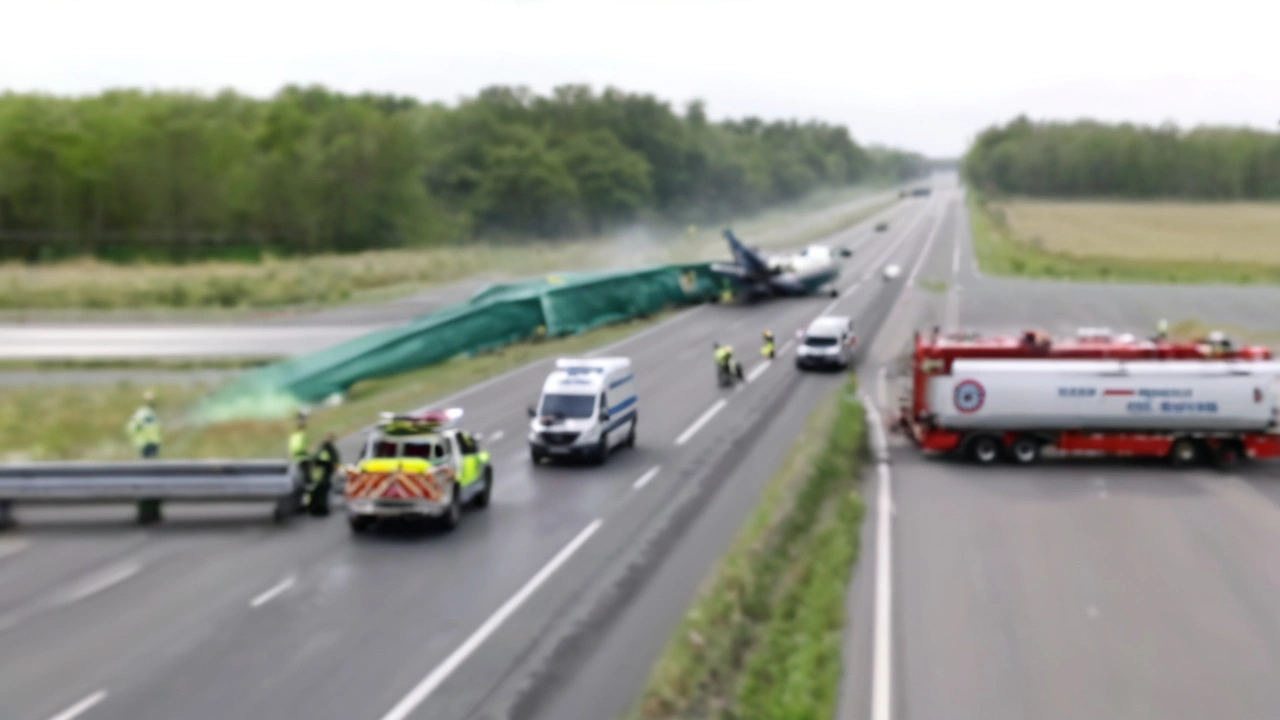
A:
148	512
6	514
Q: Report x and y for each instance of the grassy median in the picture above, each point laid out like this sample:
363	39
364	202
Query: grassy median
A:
87	422
762	638
1167	242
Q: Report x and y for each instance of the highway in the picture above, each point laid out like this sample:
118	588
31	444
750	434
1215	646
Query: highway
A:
217	614
1074	589
1080	589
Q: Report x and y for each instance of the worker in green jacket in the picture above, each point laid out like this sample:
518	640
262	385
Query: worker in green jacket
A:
144	431
298	453
316	496
144	427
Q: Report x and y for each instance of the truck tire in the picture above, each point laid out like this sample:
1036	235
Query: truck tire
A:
1025	450
631	434
984	449
1184	452
360	523
481	500
453	515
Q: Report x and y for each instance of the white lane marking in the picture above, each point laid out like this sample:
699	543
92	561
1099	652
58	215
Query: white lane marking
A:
882	658
785	347
423	690
928	245
882	387
702	420
12	546
273	591
495	437
850	290
758	370
98	582
78	709
645	478
955	255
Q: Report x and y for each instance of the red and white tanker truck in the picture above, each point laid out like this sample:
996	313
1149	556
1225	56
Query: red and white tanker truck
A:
988	398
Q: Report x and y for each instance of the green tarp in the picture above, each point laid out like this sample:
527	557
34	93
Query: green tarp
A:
497	315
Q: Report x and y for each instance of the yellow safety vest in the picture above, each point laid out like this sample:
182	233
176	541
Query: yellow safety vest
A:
298	445
144	427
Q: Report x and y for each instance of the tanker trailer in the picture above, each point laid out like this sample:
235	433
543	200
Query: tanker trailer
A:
1184	410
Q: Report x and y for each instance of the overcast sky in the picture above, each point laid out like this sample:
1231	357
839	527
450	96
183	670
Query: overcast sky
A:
922	74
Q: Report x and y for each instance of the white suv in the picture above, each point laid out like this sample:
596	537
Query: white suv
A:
828	342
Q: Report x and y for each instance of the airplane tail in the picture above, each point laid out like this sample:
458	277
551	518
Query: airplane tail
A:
746	258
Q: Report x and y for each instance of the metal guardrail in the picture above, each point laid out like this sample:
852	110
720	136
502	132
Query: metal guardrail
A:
151	482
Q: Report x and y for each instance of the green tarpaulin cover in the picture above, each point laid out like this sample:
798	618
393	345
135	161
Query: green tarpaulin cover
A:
498	315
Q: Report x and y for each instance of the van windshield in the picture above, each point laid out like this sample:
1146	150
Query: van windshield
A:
817	341
568	406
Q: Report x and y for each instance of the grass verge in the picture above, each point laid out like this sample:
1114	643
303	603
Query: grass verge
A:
762	637
92	286
167	364
79	422
1126	243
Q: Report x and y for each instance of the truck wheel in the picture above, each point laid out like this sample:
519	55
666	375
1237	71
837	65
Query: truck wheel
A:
1025	451
360	523
1184	452
481	500
631	434
984	449
453	515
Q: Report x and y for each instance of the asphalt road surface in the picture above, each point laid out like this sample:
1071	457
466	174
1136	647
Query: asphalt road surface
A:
1076	589
217	614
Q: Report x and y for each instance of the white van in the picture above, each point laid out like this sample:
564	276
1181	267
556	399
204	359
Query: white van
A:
587	408
828	342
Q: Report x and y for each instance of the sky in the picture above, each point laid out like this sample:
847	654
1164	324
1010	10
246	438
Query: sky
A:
925	75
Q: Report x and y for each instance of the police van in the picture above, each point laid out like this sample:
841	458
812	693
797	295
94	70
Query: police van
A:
587	408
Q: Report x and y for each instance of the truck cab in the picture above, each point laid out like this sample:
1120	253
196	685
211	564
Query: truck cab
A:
416	466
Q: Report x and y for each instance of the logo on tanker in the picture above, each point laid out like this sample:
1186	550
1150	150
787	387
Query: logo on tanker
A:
969	395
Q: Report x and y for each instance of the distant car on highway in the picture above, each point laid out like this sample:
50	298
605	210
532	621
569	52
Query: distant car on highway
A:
827	342
920	191
891	271
882	226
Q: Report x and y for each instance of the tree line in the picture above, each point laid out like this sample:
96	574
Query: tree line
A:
1088	158
127	174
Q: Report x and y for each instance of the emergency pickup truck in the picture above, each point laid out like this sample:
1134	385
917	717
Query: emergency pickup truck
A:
418	466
